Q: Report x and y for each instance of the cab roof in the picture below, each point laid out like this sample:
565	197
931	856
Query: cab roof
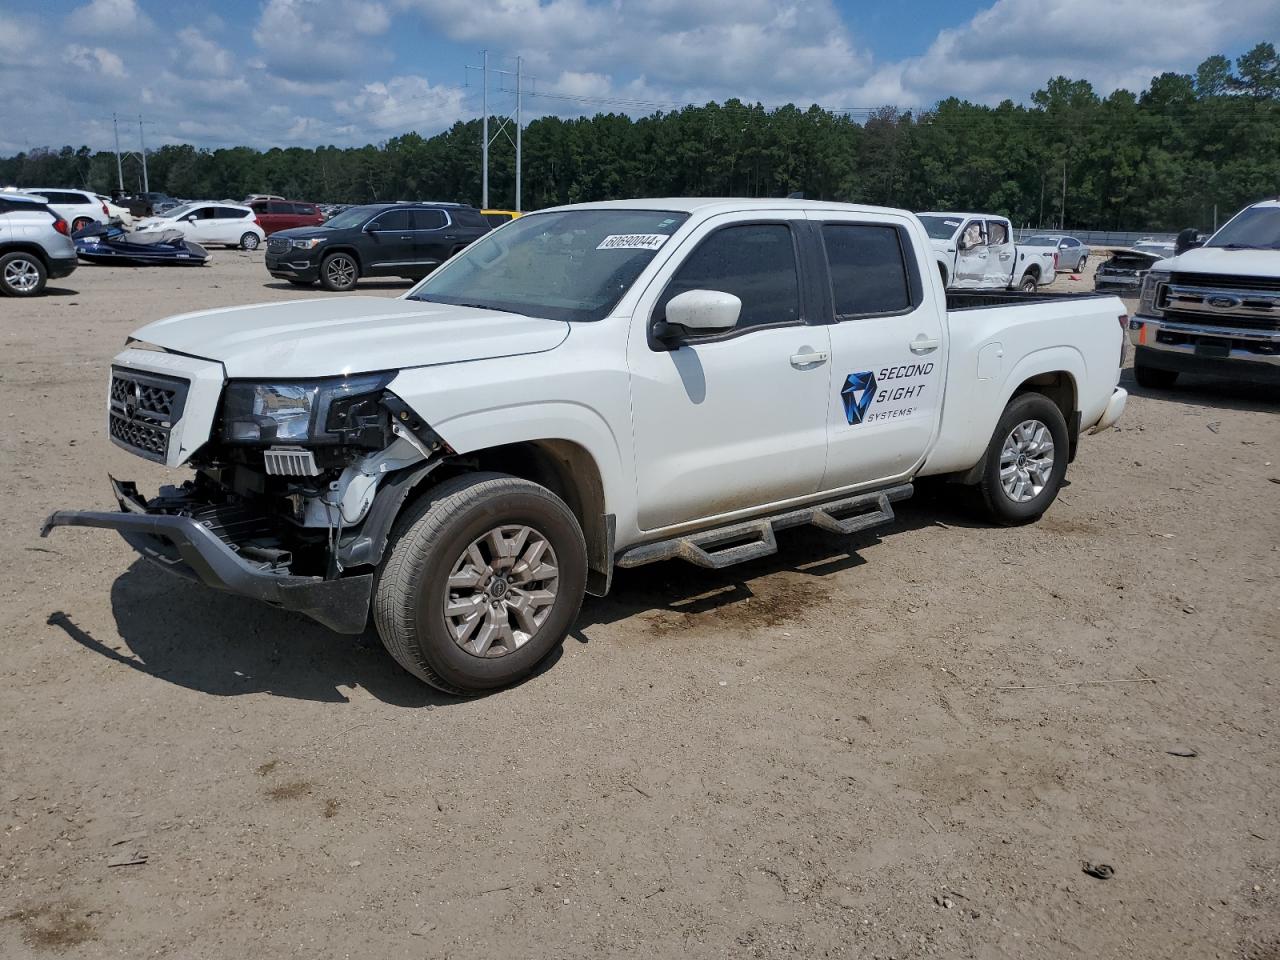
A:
713	205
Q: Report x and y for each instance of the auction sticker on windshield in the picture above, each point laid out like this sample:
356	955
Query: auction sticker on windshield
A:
632	241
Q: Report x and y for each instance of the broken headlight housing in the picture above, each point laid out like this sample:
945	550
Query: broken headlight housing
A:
1149	299
335	410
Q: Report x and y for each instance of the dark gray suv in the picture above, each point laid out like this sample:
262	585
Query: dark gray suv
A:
35	245
375	240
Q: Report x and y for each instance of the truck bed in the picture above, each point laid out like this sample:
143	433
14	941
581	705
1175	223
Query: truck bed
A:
976	299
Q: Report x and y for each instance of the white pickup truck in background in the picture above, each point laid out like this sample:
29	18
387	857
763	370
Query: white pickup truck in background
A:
975	251
591	386
1214	310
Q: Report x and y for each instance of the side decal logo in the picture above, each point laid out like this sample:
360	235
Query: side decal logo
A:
857	393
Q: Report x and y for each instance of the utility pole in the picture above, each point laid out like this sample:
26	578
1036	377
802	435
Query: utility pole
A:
119	166
504	124
142	144
484	151
1064	193
519	127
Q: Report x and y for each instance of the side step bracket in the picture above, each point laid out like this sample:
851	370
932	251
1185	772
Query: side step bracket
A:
752	539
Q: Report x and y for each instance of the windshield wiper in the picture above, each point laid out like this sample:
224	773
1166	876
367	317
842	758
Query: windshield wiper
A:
476	306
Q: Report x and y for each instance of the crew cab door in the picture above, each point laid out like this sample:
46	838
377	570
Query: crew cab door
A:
888	348
1000	254
735	420
971	256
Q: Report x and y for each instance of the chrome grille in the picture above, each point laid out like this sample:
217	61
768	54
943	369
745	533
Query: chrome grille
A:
277	245
1211	300
142	410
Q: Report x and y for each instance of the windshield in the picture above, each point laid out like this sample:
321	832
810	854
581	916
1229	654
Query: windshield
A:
177	212
1257	228
351	217
569	265
940	228
1040	240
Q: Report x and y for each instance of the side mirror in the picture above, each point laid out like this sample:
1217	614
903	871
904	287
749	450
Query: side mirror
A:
704	311
190	218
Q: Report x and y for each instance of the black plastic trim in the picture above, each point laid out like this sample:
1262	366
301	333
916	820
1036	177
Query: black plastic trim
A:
184	547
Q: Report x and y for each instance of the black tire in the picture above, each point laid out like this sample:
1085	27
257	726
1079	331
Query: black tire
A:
1080	265
429	538
999	504
339	272
1153	378
22	274
249	240
1029	283
79	223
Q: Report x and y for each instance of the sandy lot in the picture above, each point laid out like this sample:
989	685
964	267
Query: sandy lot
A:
814	755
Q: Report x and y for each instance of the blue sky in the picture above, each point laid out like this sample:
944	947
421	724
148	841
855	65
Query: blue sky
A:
304	72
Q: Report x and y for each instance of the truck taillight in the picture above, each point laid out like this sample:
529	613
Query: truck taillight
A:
1124	321
61	226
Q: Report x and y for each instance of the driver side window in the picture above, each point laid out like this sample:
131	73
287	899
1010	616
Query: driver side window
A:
756	262
972	236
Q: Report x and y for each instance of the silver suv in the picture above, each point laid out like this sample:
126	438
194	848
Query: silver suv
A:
35	245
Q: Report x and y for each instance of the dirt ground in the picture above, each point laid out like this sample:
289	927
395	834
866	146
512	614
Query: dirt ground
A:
898	745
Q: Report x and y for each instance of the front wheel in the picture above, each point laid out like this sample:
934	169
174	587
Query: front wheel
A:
22	274
484	577
1026	460
339	272
249	241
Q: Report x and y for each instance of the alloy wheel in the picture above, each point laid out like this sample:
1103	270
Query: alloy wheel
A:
341	271
501	591
21	275
1026	461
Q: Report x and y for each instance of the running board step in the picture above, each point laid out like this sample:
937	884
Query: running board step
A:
753	539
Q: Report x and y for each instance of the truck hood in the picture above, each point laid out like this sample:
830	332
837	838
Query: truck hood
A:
1236	263
344	335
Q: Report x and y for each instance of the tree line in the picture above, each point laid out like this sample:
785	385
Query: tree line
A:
1161	159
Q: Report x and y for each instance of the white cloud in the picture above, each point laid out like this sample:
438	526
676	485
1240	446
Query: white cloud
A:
94	60
401	104
198	55
108	18
306	40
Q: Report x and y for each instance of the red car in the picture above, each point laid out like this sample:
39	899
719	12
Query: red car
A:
273	215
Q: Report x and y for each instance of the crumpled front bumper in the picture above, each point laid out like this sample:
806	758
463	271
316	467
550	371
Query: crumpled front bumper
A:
186	548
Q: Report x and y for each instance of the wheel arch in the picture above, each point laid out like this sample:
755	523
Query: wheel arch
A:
19	246
347	249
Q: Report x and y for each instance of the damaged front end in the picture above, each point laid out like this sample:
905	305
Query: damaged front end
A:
294	494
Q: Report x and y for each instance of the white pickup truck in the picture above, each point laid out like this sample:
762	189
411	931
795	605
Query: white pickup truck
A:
975	251
587	387
1214	310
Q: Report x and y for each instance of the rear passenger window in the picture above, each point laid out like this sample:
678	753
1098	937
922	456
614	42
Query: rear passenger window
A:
755	262
428	219
303	209
997	232
868	271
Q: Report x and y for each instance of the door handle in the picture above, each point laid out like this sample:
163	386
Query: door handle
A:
923	344
1006	256
410	237
808	359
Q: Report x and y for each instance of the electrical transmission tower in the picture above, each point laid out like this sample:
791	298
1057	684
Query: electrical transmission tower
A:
515	119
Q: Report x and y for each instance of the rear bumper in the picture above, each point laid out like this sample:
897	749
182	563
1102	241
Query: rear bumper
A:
184	547
1114	410
62	267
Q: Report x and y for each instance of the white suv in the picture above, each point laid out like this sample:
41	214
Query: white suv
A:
80	208
35	244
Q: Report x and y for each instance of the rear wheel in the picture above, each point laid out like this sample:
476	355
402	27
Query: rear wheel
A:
1026	460
79	223
339	271
249	241
483	579
22	274
1083	261
1153	378
1029	283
